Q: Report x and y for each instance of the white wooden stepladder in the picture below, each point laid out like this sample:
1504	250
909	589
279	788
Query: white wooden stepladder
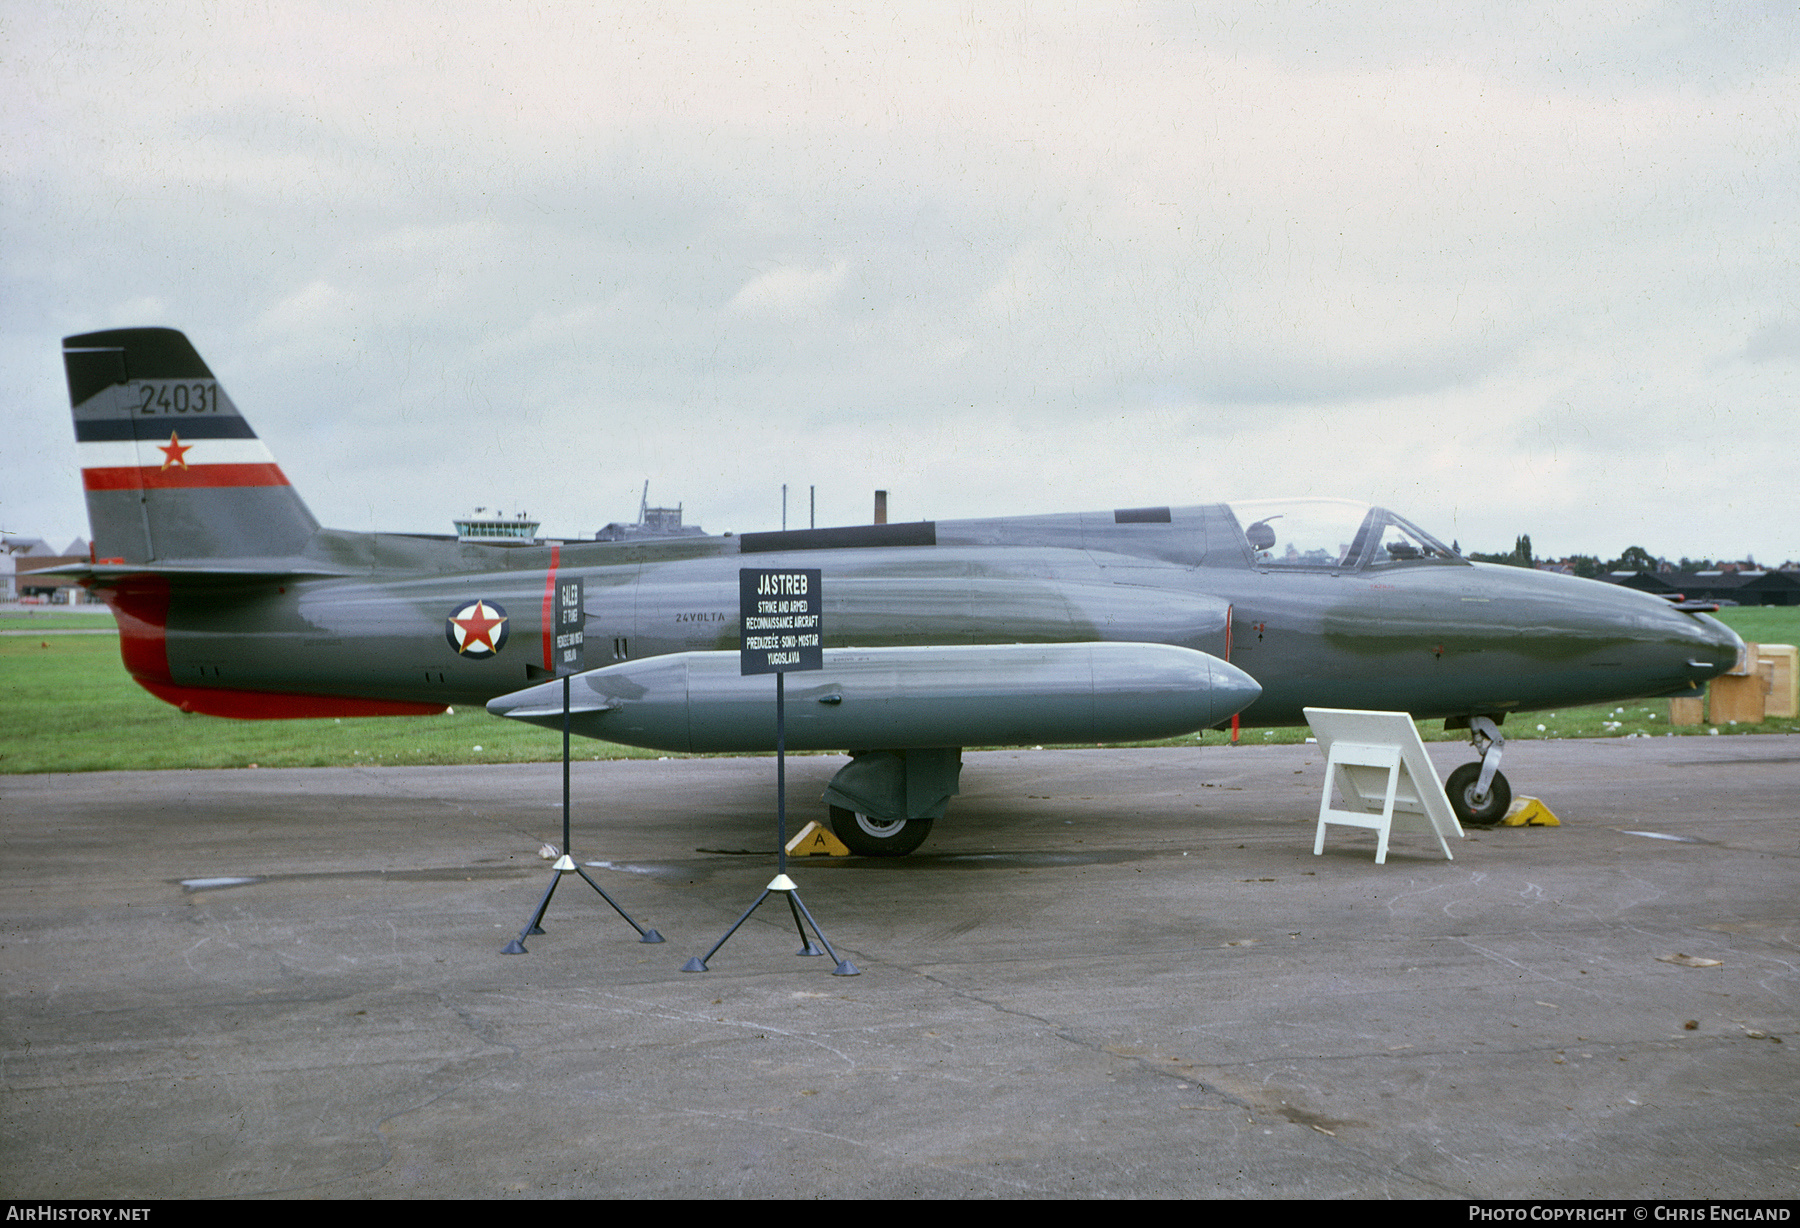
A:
1379	765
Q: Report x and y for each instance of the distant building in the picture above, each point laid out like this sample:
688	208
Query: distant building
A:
651	522
1737	587
20	557
496	528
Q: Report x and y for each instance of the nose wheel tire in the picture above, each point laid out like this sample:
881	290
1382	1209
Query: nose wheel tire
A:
867	836
1473	811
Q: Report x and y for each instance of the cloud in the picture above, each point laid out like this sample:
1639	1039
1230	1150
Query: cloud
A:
1502	267
1776	341
789	290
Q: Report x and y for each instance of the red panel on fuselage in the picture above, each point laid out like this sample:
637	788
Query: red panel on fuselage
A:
141	606
278	706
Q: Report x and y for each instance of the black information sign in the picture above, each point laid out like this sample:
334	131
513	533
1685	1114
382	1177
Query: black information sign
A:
568	627
779	617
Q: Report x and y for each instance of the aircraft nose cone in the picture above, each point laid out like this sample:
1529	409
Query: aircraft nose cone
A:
1718	646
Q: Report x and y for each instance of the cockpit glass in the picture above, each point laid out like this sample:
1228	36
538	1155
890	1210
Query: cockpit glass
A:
1402	542
1335	534
1303	532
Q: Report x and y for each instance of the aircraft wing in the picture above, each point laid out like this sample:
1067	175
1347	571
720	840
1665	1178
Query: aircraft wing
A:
107	574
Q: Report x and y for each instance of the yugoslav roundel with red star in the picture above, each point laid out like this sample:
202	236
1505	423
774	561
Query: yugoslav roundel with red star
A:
477	629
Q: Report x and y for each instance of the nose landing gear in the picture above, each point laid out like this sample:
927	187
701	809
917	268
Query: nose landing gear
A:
1479	793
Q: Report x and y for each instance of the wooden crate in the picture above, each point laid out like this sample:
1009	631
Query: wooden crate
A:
1784	678
1737	697
1688	709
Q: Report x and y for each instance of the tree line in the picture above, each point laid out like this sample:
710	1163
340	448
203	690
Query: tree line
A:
1634	558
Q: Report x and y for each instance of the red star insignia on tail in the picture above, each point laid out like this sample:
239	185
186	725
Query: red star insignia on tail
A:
175	451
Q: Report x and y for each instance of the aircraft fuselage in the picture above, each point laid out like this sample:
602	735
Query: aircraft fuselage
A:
1433	638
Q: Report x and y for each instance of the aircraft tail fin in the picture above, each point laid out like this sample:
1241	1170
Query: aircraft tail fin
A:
171	470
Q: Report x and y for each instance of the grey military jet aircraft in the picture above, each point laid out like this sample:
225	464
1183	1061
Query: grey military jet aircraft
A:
1113	626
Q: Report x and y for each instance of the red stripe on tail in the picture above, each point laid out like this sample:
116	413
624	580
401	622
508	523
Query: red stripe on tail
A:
198	477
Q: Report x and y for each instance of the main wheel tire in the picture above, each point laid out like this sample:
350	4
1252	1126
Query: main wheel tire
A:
1473	812
867	836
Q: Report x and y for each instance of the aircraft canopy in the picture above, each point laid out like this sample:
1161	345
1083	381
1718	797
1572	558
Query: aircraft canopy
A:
1333	534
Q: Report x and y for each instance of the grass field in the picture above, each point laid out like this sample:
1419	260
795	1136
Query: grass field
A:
55	618
67	705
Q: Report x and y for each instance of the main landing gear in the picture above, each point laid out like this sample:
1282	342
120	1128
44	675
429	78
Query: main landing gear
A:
883	802
868	836
1479	793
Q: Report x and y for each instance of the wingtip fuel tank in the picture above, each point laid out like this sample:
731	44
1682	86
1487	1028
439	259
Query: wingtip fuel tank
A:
899	698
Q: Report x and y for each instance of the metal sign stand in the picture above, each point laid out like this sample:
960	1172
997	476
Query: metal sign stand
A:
568	660
779	616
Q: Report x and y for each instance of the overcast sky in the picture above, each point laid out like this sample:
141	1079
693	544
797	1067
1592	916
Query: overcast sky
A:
1528	271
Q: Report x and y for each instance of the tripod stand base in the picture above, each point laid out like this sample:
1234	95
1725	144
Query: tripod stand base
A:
565	865
785	885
